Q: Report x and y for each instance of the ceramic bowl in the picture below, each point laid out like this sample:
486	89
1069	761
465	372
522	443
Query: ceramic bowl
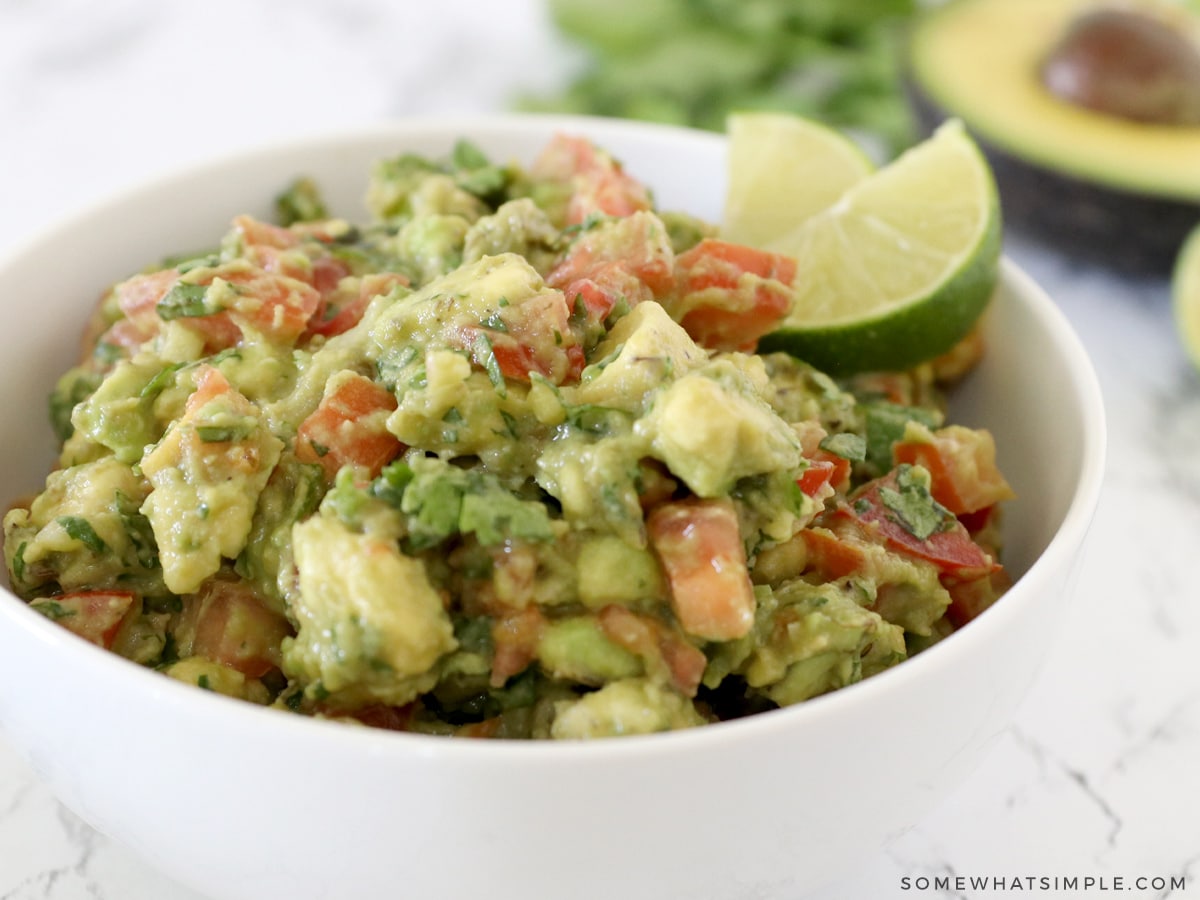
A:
242	803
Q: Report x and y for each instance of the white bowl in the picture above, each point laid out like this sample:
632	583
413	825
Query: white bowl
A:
240	802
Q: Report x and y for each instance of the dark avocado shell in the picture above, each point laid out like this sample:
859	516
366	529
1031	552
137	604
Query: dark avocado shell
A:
1100	188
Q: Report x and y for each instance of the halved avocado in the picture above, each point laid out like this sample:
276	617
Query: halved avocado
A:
1101	183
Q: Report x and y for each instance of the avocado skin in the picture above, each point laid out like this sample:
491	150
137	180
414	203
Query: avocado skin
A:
1129	233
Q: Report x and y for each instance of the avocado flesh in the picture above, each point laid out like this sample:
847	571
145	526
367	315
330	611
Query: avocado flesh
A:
1101	187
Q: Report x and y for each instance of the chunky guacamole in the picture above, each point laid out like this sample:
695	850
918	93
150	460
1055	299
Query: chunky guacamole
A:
501	462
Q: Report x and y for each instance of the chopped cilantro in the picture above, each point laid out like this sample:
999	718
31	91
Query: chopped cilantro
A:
106	354
207	261
486	357
600	365
440	500
579	311
598	420
466	155
475	173
390	366
494	322
184	300
300	202
474	634
52	609
913	505
168	603
80	529
18	562
885	425
137	528
159	382
510	424
71	390
847	445
223	434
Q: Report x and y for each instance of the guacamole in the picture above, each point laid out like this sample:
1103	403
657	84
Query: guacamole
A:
499	462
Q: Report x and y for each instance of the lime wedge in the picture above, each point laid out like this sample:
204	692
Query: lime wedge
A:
899	269
782	170
1185	295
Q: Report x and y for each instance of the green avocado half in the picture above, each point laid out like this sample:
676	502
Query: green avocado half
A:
1102	185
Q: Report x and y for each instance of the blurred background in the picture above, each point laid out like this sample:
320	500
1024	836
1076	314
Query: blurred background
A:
127	86
690	62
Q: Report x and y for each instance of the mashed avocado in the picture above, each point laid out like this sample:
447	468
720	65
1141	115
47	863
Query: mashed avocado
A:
461	469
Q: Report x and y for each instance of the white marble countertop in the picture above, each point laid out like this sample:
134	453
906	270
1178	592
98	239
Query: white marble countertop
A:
1098	776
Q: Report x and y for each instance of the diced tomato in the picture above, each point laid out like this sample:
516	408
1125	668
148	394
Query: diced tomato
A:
276	306
327	273
342	311
717	263
977	520
210	384
537	338
810	434
970	598
487	728
597	300
638	244
389	718
564	157
700	547
516	360
660	647
829	555
655	484
608	285
217	458
951	550
127	335
599	183
256	233
515	636
349	427
959	359
138	298
321	272
962	464
228	623
731	295
842	467
95	616
818	475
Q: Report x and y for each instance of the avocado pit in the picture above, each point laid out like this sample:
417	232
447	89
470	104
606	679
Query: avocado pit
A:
1125	63
1089	111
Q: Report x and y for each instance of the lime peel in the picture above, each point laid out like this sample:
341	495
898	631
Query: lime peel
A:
900	268
1185	295
783	169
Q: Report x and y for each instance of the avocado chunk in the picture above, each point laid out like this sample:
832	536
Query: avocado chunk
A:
371	626
627	706
712	428
1076	131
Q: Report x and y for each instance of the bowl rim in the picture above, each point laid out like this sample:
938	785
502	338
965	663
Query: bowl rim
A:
164	691
448	126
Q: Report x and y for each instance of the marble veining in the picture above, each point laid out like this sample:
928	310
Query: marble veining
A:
1097	777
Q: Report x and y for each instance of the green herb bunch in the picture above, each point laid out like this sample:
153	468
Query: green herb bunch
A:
691	62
